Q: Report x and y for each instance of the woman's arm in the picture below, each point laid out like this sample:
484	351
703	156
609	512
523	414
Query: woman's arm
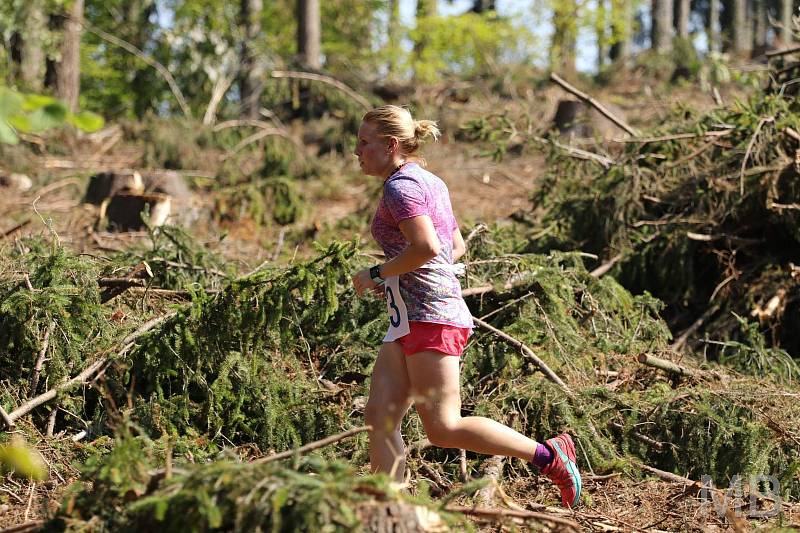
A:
459	247
423	246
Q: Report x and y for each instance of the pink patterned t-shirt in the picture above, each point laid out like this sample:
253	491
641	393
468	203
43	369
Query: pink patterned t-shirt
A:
431	294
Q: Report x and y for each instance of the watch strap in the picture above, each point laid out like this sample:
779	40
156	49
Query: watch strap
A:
375	274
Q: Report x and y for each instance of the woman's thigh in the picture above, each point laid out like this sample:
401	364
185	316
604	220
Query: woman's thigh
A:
390	389
435	387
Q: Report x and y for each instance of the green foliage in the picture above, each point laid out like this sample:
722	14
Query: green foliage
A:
19	459
176	259
688	223
221	364
467	45
62	298
32	113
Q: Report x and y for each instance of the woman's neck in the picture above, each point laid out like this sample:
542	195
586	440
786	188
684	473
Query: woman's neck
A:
397	163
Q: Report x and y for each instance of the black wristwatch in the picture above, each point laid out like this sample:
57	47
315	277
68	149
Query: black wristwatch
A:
375	274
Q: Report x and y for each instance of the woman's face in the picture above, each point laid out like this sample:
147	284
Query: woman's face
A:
373	151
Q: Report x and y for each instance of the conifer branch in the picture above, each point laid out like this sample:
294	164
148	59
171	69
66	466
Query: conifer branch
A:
527	352
312	445
88	372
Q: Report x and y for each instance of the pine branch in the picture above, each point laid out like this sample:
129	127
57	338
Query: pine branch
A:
313	445
527	352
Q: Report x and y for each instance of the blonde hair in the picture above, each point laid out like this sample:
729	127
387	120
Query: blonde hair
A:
395	121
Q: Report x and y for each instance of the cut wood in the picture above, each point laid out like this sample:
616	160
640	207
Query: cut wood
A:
663	364
594	103
123	212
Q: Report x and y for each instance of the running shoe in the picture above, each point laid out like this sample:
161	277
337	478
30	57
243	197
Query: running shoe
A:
563	471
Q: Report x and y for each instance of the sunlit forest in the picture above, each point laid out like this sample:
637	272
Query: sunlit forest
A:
185	209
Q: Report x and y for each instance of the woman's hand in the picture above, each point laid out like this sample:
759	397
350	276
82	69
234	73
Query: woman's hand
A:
362	282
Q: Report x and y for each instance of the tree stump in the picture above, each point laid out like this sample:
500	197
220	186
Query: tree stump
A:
125	212
106	184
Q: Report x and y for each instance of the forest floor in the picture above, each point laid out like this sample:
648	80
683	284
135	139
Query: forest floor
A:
482	190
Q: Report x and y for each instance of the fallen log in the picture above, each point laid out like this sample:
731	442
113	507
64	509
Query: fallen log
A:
666	366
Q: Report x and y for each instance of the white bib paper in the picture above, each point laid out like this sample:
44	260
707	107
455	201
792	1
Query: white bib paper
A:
398	314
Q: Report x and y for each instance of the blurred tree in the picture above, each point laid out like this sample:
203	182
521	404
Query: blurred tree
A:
425	10
622	24
786	21
682	13
741	43
482	6
565	37
760	25
65	70
32	48
308	34
251	76
114	81
661	32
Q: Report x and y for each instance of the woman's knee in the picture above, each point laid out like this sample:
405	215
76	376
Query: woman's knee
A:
383	416
442	433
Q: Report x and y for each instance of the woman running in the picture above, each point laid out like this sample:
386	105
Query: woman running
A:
429	322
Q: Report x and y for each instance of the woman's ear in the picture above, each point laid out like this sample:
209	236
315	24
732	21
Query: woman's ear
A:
393	144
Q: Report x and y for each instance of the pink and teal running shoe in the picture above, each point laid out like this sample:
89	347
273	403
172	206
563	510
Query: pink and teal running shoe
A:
563	470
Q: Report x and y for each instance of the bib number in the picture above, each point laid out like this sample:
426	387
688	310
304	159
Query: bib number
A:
398	314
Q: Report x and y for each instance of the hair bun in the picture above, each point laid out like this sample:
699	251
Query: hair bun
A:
426	128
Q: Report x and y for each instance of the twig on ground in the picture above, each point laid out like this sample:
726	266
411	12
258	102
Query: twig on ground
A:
605	267
16	228
312	445
40	360
674	137
785	51
501	514
462	463
22	528
577	152
663	364
527	352
492	469
761	122
594	103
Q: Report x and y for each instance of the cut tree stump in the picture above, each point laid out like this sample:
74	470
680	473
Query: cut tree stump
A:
106	184
124	212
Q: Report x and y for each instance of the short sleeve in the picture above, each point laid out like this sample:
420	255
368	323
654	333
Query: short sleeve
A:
404	198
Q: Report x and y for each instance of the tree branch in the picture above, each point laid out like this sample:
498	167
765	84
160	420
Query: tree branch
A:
312	445
527	352
324	79
594	103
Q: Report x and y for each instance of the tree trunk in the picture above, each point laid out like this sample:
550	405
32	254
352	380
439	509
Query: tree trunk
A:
565	35
786	21
601	29
309	33
393	34
482	6
740	39
661	33
621	29
760	26
682	18
250	77
31	68
68	70
713	28
425	8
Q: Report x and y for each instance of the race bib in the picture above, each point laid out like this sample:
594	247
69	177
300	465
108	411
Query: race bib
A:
398	314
